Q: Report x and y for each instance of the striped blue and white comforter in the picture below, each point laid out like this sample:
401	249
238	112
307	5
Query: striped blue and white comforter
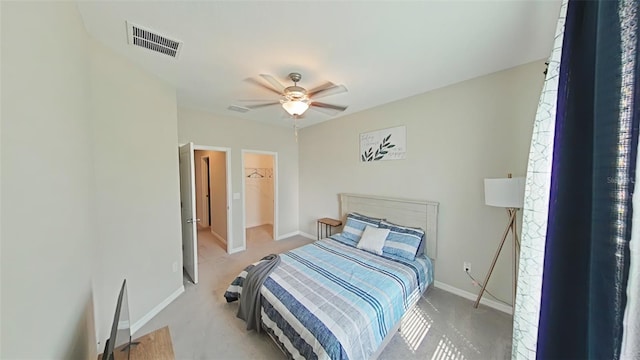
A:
330	300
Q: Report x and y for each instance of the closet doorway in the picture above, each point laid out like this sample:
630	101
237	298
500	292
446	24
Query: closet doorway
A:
212	193
259	188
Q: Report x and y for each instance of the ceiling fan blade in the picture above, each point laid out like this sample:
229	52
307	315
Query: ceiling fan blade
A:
257	100
275	83
329	106
325	111
258	83
337	89
257	106
322	87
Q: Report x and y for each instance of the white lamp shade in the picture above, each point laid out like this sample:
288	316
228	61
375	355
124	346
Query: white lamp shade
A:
295	107
506	192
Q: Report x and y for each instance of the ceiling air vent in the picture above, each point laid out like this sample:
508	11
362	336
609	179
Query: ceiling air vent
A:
149	40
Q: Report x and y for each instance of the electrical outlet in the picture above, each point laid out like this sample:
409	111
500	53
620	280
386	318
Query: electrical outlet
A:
466	266
175	266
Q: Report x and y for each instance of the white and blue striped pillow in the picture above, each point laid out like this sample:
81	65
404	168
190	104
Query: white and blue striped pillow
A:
356	224
402	240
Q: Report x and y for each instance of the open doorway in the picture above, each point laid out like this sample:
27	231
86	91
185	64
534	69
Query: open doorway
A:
205	193
260	196
211	194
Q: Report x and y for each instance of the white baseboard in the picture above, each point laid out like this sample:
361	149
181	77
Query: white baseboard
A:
217	236
308	236
252	225
288	235
233	251
467	295
145	319
294	233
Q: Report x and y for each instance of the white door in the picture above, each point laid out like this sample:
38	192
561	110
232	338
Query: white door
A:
188	201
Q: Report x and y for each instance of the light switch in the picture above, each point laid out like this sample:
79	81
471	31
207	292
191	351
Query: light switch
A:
236	196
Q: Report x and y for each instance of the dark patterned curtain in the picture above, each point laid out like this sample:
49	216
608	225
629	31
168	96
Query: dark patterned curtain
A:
586	265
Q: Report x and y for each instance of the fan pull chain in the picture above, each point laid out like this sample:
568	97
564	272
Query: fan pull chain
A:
295	127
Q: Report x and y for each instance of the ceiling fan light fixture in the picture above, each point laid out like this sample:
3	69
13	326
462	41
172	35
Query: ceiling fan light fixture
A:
295	107
295	100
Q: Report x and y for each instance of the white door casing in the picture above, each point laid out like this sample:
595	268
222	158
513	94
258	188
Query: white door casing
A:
188	211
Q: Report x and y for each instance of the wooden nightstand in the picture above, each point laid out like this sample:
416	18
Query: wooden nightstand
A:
328	225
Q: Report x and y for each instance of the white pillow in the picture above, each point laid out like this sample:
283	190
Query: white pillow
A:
372	239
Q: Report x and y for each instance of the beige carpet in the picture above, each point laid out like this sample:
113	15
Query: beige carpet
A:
204	326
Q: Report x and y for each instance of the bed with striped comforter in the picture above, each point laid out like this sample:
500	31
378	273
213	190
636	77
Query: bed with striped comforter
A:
330	300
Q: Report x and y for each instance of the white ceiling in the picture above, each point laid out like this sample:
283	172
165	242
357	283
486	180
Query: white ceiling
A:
381	51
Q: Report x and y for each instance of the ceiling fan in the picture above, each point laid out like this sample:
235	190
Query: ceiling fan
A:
295	100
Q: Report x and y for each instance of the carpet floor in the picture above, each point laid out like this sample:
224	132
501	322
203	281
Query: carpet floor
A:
204	326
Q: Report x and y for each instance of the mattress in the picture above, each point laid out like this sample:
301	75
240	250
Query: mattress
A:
330	300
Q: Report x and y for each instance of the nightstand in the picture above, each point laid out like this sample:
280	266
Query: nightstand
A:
328	225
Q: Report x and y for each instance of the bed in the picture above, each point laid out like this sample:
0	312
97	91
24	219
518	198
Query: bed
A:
331	300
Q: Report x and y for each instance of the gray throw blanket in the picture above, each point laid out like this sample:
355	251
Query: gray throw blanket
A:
249	309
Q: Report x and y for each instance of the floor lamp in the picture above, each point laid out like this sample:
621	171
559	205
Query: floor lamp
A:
506	193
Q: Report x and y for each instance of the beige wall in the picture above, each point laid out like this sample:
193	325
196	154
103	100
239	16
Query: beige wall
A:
203	128
253	160
135	147
219	194
456	137
201	211
46	303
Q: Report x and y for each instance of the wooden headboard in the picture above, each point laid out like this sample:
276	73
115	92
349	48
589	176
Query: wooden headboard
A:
408	212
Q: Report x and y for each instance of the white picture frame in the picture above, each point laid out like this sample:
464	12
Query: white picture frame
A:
384	144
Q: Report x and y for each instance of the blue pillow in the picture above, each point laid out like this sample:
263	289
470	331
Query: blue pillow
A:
402	241
355	225
423	243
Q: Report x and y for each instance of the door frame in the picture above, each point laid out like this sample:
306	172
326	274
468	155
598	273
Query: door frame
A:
227	152
275	193
227	161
